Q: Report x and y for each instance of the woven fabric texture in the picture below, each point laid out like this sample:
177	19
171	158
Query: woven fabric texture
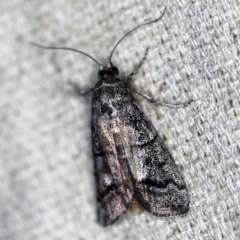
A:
46	168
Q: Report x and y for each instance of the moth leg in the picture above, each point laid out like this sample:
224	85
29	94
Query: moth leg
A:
151	100
84	92
79	91
129	77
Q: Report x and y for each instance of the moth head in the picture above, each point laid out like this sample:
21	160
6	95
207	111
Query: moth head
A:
108	71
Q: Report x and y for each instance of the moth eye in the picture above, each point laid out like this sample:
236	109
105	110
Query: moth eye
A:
114	70
100	73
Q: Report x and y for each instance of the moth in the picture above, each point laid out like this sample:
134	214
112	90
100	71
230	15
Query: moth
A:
132	165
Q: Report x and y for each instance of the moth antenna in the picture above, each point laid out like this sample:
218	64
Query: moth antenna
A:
156	20
65	48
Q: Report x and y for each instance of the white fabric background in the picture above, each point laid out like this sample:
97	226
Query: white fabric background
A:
46	172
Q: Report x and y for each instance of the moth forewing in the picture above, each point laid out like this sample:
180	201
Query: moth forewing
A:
158	185
113	177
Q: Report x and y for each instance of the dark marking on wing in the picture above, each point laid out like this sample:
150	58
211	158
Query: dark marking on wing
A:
158	185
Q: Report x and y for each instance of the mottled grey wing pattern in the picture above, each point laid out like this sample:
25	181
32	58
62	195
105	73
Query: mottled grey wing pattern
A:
113	179
158	185
131	162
